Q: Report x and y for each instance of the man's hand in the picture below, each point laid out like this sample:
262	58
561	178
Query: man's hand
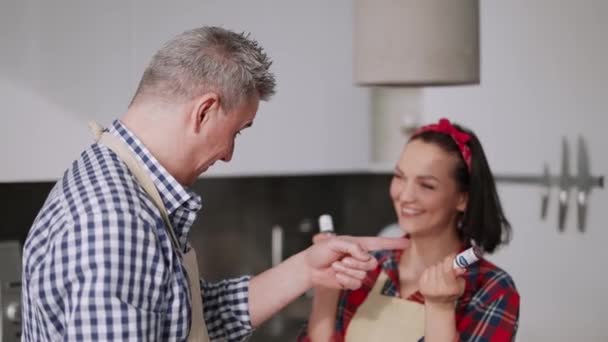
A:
342	261
336	262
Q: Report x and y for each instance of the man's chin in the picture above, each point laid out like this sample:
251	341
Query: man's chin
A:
205	168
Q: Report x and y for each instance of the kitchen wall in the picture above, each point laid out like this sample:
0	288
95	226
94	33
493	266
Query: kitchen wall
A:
66	62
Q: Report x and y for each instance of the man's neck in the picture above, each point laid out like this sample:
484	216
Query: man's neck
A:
158	133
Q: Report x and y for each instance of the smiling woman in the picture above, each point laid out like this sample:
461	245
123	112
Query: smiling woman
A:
445	199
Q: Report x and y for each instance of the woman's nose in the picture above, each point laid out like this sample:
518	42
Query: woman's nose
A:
407	193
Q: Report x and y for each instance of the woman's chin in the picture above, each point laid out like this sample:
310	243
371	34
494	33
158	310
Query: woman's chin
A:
411	230
407	228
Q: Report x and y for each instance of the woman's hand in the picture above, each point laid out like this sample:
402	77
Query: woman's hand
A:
441	284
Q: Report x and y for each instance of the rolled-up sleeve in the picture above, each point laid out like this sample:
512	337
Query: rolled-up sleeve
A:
226	309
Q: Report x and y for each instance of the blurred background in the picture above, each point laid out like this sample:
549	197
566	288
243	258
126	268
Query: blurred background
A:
325	143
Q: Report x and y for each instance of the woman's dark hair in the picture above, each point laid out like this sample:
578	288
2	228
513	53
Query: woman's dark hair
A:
483	222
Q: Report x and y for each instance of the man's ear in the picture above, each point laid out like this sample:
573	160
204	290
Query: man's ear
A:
205	107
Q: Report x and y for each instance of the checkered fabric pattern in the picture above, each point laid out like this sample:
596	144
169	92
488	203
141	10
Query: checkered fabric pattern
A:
487	311
99	264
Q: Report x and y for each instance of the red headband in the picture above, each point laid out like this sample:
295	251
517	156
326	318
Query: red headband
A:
460	138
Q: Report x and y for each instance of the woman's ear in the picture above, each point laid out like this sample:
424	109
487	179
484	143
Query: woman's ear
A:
463	200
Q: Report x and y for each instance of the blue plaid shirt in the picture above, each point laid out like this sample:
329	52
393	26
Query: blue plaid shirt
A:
99	264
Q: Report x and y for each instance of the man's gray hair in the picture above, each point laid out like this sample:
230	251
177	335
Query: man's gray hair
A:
208	59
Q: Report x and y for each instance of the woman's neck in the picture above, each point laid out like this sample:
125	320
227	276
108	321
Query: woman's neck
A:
425	251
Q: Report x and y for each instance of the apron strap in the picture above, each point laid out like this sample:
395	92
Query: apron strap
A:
121	149
198	328
380	282
386	318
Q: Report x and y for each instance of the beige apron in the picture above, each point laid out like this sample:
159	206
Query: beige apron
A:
198	328
384	318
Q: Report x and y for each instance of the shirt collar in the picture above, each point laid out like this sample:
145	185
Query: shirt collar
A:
175	196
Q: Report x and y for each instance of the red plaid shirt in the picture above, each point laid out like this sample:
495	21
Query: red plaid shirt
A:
488	310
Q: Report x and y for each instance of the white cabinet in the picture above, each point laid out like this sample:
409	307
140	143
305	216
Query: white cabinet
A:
68	61
62	63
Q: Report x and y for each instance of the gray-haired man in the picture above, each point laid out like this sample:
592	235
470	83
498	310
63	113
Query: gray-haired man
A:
107	257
